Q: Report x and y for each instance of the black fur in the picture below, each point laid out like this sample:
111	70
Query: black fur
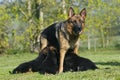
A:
74	62
48	62
49	33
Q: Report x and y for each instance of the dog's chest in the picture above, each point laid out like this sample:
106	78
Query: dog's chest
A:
73	42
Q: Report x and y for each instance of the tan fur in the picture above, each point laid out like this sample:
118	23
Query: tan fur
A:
43	43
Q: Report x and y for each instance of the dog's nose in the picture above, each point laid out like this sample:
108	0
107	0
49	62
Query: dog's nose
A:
77	29
80	28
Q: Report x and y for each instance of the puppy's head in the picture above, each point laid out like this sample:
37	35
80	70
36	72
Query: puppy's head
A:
49	49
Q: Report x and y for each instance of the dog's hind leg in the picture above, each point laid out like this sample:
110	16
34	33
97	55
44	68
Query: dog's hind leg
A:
43	42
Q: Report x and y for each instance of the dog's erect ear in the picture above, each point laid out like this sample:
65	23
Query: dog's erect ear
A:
71	12
83	13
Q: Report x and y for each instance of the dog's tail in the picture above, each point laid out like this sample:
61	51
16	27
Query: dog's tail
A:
11	72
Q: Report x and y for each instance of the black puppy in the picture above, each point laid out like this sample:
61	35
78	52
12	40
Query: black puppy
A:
74	62
48	62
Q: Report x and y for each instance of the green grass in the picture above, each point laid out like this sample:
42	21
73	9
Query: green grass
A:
103	59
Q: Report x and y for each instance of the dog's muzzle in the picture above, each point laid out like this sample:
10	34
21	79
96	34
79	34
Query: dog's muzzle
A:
77	29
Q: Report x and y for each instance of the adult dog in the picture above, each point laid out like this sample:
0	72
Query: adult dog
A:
64	35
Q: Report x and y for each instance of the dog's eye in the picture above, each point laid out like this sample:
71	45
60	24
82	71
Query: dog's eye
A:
73	22
82	21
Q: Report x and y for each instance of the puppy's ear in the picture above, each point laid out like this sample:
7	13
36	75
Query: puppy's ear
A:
83	13
71	12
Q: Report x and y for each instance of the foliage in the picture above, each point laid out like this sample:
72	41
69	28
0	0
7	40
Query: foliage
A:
21	21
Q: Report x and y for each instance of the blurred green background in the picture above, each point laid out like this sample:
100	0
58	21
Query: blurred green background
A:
21	22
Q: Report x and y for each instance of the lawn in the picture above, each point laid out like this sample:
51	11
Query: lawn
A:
109	59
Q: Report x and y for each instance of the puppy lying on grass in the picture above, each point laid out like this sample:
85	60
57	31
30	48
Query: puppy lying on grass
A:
48	62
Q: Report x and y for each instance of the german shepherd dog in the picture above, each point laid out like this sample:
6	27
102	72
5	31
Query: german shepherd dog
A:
64	35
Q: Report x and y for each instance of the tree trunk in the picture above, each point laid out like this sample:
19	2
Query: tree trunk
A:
37	7
64	9
107	41
102	37
41	19
95	44
89	46
39	14
63	6
29	8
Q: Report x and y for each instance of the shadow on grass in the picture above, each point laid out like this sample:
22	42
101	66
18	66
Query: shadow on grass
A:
108	63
